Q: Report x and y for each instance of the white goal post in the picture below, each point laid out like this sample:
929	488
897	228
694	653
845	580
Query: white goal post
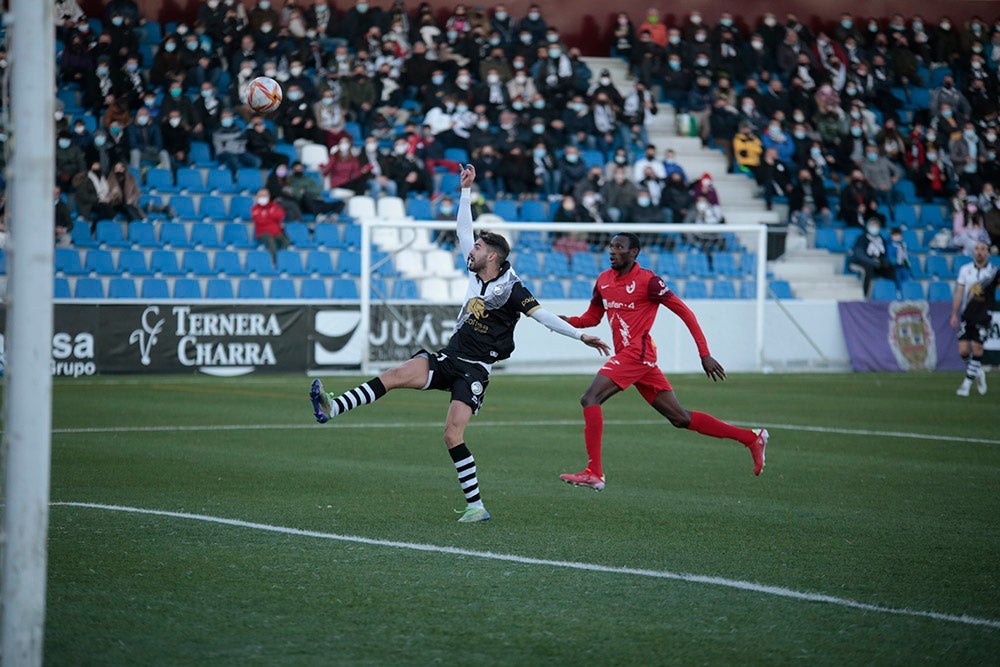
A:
754	236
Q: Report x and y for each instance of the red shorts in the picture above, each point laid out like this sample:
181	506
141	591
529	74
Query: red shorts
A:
626	371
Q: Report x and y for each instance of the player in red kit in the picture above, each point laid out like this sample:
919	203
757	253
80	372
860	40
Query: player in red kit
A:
631	296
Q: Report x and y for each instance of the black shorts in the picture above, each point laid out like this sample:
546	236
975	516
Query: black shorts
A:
467	381
974	331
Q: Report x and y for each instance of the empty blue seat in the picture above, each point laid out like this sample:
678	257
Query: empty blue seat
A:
668	264
82	238
236	235
220	181
725	264
552	289
298	234
327	235
151	32
142	234
534	210
228	263
405	288
281	288
748	289
557	265
249	180
584	264
312	288
939	291
220	288
205	235
907	190
938	266
89	288
828	239
250	288
289	262
239	208
60	289
153	205
201	155
133	262
883	290
164	262
154	288
160	180
449	183
913	290
183	207
319	262
593	158
534	240
723	289
349	262
419	208
352	237
67	261
458	154
528	265
581	289
101	262
259	262
187	288
111	234
780	289
695	289
912	241
212	207
696	264
344	288
932	215
174	234
196	262
122	288
507	209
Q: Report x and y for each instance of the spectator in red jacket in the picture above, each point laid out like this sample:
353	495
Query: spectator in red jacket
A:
268	223
345	170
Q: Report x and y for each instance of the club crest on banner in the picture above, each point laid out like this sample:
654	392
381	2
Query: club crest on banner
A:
911	335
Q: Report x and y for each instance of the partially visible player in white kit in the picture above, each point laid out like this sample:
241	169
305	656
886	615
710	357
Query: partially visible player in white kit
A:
484	334
975	297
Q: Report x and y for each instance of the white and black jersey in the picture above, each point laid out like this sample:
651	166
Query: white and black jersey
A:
979	297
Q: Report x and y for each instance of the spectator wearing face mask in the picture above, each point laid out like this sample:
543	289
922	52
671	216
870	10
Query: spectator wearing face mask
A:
858	200
268	223
968	227
934	177
379	167
330	119
168	63
146	142
93	195
176	139
870	256
883	176
261	141
230	145
965	153
344	170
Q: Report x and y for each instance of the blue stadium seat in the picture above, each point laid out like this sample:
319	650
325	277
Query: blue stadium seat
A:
183	207
318	262
89	288
906	216
220	181
932	215
958	263
151	32
419	208
828	238
258	262
249	180
937	266
883	290
81	235
154	288
327	235
668	264
851	235
449	184
60	289
912	241
584	264
344	288
187	288
212	207
190	181
507	209
289	262
201	155
312	288
581	289
352	237
236	235
354	129
557	265
724	264
196	262
593	158
239	208
281	288
219	288
696	264
383	263
160	180
67	261
527	264
913	290
133	262
907	190
298	234
552	289
142	234
101	262
458	154
534	210
780	289
174	234
404	288
288	150
205	235
153	205
534	240
939	291
228	263
164	262
748	289
695	289
112	234
122	288
349	262
723	289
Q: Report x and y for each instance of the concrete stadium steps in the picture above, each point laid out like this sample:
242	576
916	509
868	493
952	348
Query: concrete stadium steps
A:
817	274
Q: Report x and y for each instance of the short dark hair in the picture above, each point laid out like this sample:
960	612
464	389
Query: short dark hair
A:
496	243
633	240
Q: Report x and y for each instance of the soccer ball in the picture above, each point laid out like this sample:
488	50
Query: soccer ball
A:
263	94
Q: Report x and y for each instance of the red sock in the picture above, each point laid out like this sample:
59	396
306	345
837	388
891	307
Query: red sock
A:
593	431
706	424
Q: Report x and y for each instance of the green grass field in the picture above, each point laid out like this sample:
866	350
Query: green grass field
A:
882	490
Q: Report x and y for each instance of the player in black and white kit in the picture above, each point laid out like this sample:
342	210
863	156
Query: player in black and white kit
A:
495	299
975	297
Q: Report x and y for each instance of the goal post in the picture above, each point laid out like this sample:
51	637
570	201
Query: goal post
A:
752	236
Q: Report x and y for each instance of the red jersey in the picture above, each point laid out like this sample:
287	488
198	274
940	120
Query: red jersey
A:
631	302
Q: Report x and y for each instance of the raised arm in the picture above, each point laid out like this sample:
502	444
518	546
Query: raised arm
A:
464	222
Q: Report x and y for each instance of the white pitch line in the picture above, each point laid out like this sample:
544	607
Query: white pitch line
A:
537	423
589	567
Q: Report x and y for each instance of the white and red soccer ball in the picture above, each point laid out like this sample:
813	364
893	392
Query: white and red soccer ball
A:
263	94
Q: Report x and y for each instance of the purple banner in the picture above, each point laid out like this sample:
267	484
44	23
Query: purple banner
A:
900	336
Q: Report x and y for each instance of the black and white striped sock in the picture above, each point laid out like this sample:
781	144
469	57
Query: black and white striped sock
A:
363	394
974	368
465	466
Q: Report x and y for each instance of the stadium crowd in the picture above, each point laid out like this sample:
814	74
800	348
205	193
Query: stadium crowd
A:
835	120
